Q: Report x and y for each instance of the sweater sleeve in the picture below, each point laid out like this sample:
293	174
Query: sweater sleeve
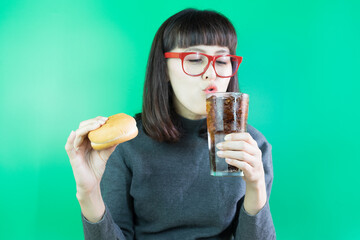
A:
259	226
115	187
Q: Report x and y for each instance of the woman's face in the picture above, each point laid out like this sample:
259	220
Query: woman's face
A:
189	95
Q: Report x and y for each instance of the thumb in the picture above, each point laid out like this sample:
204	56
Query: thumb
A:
69	146
112	149
107	152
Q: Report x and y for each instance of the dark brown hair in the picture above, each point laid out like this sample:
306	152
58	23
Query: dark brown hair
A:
186	28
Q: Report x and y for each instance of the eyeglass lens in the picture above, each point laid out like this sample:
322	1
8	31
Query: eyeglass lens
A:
195	64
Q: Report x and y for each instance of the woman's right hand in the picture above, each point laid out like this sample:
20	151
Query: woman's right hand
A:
88	165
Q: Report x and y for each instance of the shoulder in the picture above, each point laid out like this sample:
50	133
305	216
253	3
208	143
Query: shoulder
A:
142	139
258	137
126	150
266	157
266	150
130	143
138	119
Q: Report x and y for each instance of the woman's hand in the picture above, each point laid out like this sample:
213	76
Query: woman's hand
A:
241	150
88	165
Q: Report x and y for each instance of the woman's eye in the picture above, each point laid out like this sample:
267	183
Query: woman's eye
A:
199	60
222	62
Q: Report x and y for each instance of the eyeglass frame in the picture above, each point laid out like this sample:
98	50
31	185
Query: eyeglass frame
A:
210	58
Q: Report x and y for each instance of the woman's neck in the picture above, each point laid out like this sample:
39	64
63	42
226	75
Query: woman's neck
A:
185	112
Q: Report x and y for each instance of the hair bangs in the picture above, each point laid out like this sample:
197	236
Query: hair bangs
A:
201	28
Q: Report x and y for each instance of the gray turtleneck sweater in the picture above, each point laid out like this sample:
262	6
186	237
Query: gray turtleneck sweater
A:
158	191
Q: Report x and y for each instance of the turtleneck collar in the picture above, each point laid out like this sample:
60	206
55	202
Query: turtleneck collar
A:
191	126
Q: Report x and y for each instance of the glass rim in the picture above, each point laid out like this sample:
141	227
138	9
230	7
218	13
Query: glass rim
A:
224	94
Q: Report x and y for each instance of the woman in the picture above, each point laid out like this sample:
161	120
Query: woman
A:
158	185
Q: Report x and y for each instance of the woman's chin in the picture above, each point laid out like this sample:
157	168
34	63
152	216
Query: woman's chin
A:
201	114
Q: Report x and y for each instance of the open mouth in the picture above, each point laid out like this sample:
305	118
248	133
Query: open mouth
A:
211	89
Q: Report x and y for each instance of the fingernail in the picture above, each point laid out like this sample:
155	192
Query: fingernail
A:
75	145
227	137
219	145
103	120
72	134
220	153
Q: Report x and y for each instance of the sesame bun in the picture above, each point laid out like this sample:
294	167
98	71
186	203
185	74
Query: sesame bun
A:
117	129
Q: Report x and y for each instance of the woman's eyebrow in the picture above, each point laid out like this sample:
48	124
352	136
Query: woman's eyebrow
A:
222	51
194	49
202	50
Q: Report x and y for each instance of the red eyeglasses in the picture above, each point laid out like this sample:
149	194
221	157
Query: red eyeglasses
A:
195	63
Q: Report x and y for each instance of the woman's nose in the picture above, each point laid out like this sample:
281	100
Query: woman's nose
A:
209	74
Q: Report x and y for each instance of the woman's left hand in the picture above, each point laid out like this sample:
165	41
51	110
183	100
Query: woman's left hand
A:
241	150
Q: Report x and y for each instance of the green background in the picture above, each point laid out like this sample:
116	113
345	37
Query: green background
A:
62	62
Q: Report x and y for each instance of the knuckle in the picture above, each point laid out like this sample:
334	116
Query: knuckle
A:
231	136
248	136
75	142
91	126
241	165
94	126
94	123
234	162
67	147
68	139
